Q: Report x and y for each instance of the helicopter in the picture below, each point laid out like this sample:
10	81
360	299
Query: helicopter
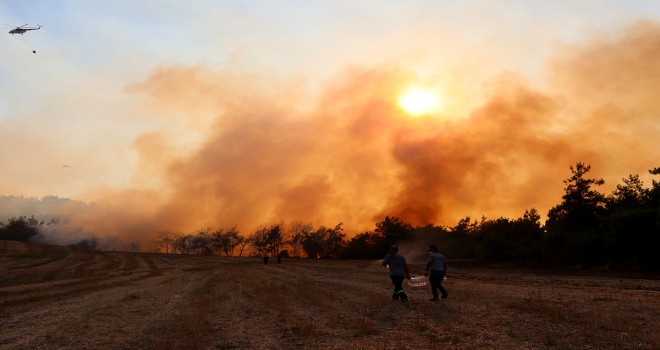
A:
22	29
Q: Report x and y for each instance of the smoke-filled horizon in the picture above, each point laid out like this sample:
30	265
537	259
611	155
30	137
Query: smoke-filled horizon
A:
222	145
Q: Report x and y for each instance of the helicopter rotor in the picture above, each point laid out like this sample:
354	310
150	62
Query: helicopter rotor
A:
8	25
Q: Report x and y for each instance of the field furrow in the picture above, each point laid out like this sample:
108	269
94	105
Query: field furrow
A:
114	300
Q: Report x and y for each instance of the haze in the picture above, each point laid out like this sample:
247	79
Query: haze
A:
174	116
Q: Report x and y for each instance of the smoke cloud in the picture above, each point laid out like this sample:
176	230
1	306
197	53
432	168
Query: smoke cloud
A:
243	148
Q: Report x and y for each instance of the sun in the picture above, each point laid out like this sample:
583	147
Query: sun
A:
419	101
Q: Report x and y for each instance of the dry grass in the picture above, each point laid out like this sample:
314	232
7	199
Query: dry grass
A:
69	299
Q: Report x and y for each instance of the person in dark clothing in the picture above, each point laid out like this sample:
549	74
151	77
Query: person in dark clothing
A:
398	271
265	259
437	266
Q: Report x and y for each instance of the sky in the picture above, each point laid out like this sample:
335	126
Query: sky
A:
171	115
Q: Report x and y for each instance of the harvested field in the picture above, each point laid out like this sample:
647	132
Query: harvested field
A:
57	298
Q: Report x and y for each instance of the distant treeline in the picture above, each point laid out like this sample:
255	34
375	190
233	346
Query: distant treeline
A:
587	228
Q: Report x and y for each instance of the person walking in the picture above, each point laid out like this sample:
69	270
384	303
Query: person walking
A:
398	271
437	266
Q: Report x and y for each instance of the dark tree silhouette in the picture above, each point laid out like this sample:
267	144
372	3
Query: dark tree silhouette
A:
466	226
363	246
573	225
581	203
20	228
629	195
267	239
631	225
225	242
324	243
298	230
392	230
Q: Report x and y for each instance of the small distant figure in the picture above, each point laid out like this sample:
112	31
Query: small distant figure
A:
34	51
398	271
438	268
279	258
265	259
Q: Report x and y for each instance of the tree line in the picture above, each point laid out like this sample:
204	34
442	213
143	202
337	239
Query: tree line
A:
293	240
586	228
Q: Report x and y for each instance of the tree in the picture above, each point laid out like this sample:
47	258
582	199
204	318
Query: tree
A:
573	226
466	226
391	230
363	246
298	231
654	192
182	244
200	242
529	225
394	229
503	239
324	243
581	206
224	242
631	225
631	194
20	228
267	239
242	242
275	239
167	240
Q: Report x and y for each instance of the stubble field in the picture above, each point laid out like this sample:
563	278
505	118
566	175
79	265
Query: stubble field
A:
57	298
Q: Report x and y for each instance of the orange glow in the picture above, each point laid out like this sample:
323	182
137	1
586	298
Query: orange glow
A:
419	101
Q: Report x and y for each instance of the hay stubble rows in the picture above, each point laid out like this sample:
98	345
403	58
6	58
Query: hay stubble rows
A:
53	298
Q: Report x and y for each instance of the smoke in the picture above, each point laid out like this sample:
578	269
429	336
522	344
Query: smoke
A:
242	148
513	152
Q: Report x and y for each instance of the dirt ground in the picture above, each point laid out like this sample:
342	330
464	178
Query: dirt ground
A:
57	298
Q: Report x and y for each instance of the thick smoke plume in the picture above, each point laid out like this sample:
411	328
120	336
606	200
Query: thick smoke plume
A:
271	152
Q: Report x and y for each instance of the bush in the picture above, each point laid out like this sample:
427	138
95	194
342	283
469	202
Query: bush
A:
19	229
